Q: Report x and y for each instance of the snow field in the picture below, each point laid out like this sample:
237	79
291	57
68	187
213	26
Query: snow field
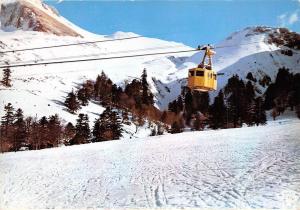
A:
252	167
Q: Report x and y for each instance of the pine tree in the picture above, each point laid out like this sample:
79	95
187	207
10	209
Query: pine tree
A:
72	103
298	110
108	126
188	105
115	126
176	127
179	103
89	89
236	102
261	117
134	91
217	112
55	130
125	118
82	130
35	137
98	87
160	129
7	120
43	135
82	96
69	131
147	96
163	117
198	123
98	131
103	89
20	130
251	113
249	96
6	81
153	132
250	77
200	102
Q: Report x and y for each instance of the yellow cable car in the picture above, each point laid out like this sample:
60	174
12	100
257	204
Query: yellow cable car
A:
203	78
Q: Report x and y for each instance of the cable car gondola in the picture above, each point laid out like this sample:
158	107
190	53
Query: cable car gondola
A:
203	78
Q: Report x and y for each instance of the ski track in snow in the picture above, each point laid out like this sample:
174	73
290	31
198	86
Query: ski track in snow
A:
257	167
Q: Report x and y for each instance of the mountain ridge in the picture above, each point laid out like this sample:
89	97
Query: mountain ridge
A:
251	52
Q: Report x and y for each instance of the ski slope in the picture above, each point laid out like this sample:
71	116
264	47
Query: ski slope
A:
252	167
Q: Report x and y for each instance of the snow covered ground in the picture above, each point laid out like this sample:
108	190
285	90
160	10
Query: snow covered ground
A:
256	167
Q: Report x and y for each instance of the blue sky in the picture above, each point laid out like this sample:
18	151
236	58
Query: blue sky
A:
187	21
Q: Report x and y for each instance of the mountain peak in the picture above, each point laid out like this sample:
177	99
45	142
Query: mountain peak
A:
33	15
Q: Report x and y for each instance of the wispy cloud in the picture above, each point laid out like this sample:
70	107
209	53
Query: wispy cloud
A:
293	18
290	18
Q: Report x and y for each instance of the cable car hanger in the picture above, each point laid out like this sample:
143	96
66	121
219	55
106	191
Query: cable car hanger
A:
203	78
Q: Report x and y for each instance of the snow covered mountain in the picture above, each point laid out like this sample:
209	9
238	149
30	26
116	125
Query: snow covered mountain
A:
36	16
44	88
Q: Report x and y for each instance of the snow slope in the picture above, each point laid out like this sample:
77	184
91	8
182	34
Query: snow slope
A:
44	88
253	167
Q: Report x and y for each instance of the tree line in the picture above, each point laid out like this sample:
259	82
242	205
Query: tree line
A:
135	97
32	133
236	104
283	93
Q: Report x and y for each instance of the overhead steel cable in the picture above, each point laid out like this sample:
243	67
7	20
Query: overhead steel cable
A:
71	44
113	57
93	55
95	59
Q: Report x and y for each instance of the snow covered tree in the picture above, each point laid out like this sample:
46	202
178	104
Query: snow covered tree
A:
72	103
6	81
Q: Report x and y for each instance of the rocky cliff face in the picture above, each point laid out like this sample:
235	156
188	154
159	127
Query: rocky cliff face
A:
33	15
